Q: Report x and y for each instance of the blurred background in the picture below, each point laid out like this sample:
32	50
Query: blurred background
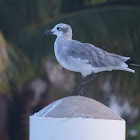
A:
30	76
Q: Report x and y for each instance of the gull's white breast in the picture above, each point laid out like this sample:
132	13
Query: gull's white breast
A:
71	63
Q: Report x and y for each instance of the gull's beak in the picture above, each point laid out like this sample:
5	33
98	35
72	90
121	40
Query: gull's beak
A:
48	32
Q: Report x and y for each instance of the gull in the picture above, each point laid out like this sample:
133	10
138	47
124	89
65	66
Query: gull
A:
84	57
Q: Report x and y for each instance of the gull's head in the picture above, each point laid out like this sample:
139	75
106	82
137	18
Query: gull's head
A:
61	30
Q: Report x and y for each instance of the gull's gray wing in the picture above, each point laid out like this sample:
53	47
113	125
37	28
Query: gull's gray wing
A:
95	56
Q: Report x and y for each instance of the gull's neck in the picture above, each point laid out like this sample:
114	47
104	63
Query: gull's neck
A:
62	39
65	36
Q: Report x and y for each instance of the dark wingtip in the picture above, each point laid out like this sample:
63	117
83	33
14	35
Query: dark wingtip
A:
131	62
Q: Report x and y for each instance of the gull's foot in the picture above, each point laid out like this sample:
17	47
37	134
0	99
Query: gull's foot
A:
80	88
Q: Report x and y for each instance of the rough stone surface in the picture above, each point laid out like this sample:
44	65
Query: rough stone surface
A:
78	106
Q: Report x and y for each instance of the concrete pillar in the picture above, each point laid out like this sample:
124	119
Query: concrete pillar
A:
76	118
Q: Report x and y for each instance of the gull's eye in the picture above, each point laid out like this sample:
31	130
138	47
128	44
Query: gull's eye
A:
58	28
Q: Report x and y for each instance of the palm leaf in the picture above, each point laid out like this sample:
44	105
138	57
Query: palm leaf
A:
14	67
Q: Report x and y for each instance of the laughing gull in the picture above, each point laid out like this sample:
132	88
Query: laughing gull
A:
84	57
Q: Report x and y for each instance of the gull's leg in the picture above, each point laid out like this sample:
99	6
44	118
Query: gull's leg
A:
91	79
81	89
83	83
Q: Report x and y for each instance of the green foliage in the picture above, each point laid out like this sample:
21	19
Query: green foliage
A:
19	69
94	2
15	15
14	67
